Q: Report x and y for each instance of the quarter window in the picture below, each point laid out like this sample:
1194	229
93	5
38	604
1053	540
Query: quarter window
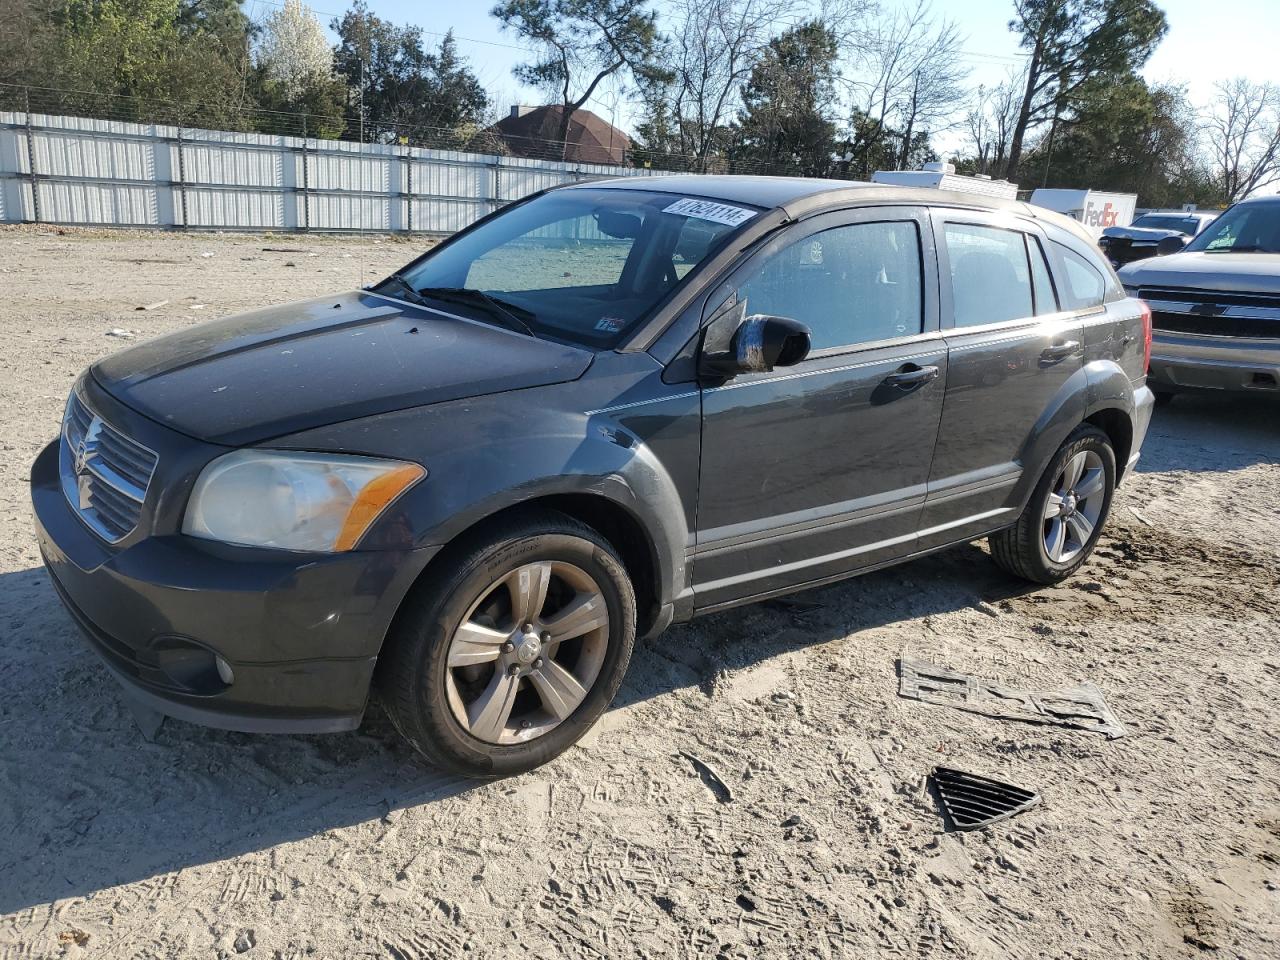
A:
1085	287
853	284
990	274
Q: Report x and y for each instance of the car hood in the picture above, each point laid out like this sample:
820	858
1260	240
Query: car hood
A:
1226	272
1142	234
247	378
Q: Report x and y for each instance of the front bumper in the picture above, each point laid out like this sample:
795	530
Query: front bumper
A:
1187	361
299	632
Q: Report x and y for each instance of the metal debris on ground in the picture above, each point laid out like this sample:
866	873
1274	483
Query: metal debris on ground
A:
153	306
972	801
1081	706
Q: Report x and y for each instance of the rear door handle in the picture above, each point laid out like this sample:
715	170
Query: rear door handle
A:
911	376
1060	351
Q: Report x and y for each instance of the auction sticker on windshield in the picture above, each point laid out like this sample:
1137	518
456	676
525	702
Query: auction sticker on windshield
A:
706	210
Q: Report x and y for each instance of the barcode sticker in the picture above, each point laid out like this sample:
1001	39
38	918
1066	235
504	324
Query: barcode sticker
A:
706	210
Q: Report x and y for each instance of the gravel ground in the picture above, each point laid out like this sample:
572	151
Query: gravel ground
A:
1165	843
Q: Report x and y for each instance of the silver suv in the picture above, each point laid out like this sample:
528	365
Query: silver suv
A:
1215	306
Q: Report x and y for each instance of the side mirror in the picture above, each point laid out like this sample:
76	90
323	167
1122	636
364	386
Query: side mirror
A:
756	344
1168	245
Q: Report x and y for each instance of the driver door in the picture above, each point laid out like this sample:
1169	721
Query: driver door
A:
814	471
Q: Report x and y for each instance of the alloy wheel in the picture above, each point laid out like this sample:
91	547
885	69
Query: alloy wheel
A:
1074	505
527	653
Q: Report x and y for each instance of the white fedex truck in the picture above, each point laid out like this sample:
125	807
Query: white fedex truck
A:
1094	209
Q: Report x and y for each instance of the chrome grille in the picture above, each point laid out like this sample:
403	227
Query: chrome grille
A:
1209	313
105	474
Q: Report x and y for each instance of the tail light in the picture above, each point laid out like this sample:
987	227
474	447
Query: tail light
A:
1146	336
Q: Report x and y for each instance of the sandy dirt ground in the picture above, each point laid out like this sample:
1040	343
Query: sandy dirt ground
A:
1163	844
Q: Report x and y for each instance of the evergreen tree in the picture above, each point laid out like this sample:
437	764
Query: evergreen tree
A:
408	91
788	103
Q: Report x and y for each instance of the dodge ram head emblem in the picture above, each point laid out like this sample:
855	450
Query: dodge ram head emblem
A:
80	460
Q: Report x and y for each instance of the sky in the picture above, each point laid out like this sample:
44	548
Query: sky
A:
1207	42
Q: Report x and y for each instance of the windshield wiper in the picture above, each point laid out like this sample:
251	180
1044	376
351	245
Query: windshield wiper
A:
404	287
1244	248
510	313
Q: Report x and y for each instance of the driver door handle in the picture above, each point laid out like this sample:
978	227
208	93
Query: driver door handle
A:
911	375
1059	351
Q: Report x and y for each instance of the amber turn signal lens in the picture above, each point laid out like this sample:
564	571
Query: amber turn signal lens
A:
373	499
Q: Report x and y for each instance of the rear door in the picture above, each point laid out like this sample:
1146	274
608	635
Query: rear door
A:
814	470
1011	349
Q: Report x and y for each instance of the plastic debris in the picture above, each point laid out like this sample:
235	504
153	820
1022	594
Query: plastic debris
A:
1081	706
710	778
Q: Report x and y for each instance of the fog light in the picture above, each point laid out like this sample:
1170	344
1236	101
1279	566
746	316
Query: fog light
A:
224	671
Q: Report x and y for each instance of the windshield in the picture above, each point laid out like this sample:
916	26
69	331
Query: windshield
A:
1245	228
1181	224
581	265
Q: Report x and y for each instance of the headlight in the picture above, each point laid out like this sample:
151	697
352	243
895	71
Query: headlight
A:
294	501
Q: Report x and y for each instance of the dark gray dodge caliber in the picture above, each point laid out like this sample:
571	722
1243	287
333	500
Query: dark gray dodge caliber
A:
597	411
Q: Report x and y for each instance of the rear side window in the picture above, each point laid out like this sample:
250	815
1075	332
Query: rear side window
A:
1085	287
849	285
990	274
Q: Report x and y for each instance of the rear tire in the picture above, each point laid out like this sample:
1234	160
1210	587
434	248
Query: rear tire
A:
1064	517
472	674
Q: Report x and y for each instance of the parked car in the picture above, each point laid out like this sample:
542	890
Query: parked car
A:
1142	238
473	485
1216	305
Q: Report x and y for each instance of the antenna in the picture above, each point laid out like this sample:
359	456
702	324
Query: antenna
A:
362	202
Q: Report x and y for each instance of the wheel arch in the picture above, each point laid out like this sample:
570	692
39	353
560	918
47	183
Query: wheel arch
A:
613	521
1116	423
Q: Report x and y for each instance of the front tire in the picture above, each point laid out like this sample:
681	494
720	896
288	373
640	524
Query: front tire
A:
1062	521
512	655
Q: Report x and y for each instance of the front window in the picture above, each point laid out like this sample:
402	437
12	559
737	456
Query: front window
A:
1245	228
850	285
582	265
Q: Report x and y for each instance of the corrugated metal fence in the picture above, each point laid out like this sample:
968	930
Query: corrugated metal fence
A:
71	170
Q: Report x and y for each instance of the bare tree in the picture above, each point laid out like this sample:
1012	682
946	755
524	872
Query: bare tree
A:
909	76
989	122
1242	131
714	45
26	33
